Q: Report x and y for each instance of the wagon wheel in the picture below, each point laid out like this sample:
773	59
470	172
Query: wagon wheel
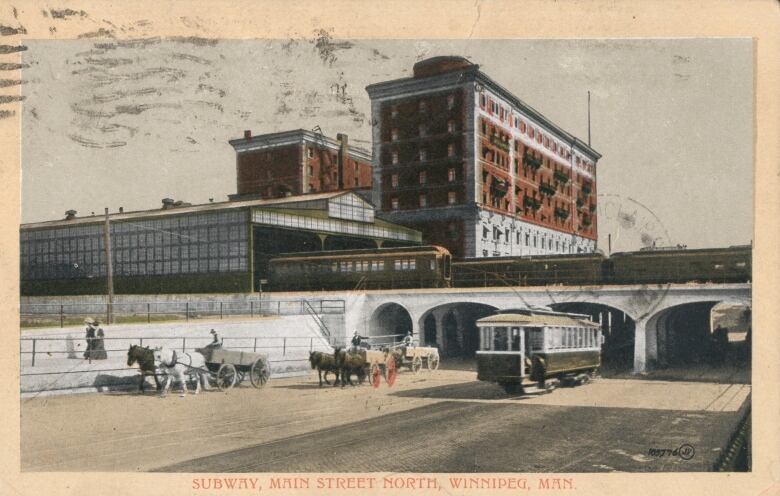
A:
376	376
433	362
226	376
391	371
259	373
416	364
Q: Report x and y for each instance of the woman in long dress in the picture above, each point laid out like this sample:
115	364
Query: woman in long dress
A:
90	338
98	346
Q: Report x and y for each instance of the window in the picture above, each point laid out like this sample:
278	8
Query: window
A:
500	339
514	339
423	154
311	170
482	102
451	175
394	180
451	150
422	130
485	232
394	134
310	152
423	201
527	239
394	157
450	101
394	203
452	198
394	111
422	106
423	177
397	265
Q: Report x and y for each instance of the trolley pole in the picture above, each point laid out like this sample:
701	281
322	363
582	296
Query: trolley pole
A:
109	270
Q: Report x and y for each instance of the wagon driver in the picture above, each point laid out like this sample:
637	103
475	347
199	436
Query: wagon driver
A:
356	340
215	343
406	342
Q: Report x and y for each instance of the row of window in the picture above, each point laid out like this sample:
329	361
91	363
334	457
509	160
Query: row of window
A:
422	178
537	339
504	235
400	264
422	106
422	154
422	200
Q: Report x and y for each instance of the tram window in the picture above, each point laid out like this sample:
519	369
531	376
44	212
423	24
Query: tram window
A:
556	338
432	264
535	339
500	339
381	265
515	335
412	264
397	265
486	338
334	267
580	338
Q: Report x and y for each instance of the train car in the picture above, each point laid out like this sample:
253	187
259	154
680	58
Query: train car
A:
720	265
517	347
581	269
381	268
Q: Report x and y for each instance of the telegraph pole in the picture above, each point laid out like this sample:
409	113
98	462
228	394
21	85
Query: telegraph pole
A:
109	269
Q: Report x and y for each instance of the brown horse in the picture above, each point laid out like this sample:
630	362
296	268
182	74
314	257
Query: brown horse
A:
350	363
324	362
145	359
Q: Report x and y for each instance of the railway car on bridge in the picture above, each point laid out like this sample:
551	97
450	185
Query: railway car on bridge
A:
518	347
381	268
719	265
544	270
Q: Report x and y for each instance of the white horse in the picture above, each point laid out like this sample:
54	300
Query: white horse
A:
180	366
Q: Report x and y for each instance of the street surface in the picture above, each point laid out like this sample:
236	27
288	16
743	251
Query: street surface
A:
443	421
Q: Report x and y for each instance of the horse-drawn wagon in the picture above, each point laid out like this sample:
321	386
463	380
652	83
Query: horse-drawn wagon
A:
381	363
416	355
231	367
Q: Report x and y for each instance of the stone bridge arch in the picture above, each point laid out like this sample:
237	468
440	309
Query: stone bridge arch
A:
387	319
452	327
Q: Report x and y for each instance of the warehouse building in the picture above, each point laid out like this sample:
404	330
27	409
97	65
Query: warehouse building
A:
183	248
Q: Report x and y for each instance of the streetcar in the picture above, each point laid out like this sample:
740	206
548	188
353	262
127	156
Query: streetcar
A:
522	346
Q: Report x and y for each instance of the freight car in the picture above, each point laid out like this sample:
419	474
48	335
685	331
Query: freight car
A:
719	265
581	269
381	268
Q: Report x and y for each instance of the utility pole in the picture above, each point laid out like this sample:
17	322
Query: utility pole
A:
109	269
588	117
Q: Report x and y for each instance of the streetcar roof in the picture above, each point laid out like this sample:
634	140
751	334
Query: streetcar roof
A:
536	320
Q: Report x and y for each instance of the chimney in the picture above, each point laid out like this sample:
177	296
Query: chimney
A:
121	210
167	203
247	134
70	215
343	156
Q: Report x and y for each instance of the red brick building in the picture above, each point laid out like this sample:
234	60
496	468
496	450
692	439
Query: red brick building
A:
298	162
477	170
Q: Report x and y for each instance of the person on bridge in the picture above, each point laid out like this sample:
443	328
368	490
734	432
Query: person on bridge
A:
216	342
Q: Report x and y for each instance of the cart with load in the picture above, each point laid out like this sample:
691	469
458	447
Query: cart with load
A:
416	355
230	367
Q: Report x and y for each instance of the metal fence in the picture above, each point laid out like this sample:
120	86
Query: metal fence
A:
72	313
52	347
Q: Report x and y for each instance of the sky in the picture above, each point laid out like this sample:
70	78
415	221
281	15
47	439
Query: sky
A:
110	123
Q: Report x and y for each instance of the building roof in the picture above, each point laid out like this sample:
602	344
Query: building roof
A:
295	136
190	209
542	320
460	75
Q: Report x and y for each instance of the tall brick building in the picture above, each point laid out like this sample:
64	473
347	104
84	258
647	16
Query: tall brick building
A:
298	162
466	162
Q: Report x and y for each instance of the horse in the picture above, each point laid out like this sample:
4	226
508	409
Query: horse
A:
144	357
350	363
324	362
180	364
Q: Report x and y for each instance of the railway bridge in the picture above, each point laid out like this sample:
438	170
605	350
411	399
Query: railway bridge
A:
644	326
